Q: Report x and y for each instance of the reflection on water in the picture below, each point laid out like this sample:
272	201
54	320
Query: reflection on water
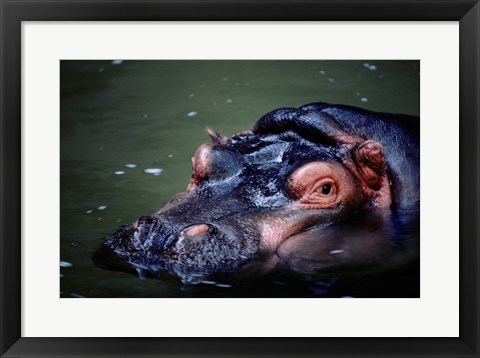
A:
129	129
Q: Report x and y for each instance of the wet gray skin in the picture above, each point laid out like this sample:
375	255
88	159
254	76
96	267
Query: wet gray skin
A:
239	217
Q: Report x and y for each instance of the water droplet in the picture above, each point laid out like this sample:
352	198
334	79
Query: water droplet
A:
130	166
331	80
117	62
88	211
141	273
364	99
119	172
191	114
154	171
208	282
224	285
102	207
322	72
65	264
229	100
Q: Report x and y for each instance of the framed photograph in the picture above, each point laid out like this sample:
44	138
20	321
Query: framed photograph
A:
239	179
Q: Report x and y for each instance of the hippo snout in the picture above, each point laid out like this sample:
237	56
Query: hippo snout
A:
158	233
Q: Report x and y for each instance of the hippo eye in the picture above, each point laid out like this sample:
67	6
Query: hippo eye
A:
326	189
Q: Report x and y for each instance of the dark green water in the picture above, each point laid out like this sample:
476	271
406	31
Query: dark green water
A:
153	114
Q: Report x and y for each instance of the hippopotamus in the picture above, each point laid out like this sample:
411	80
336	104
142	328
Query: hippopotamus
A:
319	188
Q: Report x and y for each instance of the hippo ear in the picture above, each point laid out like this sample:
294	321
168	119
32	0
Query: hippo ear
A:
370	160
216	137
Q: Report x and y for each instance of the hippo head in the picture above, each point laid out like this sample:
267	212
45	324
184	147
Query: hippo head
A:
294	172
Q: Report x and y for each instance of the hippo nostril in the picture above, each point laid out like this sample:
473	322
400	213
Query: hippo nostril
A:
196	229
144	220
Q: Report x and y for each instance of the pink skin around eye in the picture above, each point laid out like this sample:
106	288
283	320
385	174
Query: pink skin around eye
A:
305	184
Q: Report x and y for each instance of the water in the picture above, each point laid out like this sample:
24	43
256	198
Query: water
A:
129	129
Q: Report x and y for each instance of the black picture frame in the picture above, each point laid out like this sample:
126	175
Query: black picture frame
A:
13	12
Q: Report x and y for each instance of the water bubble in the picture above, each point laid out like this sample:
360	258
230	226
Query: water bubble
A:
370	67
154	171
191	114
229	100
65	264
131	166
322	72
119	172
331	80
102	207
364	99
88	211
117	62
170	155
